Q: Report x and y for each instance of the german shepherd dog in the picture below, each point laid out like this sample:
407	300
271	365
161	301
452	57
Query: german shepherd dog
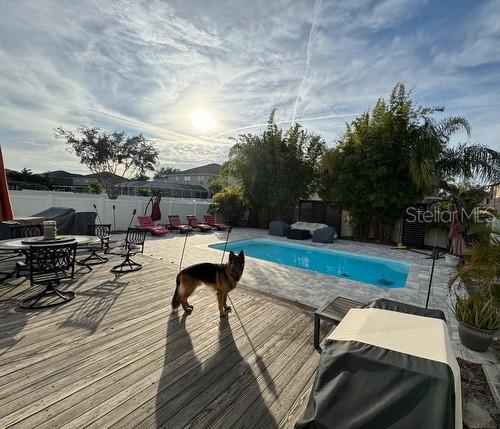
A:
221	277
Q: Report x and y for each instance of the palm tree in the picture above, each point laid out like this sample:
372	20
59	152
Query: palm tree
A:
434	161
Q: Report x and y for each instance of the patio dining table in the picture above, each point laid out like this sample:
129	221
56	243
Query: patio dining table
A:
24	244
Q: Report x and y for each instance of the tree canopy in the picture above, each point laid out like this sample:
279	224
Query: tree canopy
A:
389	158
26	179
275	169
164	172
114	155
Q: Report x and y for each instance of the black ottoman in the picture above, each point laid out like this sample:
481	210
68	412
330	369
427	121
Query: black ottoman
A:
298	234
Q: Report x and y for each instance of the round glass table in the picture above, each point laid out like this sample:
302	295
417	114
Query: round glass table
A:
23	244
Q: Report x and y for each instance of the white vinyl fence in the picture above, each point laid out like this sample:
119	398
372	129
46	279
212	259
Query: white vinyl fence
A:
28	202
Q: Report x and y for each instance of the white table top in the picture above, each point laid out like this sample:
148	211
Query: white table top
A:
17	243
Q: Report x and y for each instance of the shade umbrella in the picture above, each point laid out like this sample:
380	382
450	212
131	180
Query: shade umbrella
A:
457	239
5	204
155	209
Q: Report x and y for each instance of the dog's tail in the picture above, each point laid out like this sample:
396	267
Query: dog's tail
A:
175	299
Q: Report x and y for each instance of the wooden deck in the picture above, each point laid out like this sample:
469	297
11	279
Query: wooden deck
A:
117	357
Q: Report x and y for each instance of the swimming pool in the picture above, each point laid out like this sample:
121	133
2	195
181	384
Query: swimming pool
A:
381	272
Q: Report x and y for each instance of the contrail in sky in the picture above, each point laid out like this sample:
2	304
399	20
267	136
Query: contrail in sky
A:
317	7
315	118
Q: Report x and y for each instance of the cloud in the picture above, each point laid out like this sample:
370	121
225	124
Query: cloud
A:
145	66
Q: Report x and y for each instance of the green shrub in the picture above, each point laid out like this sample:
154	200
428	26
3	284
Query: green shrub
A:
95	188
230	203
143	192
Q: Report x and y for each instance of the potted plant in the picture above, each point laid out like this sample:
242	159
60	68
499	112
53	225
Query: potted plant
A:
478	319
478	313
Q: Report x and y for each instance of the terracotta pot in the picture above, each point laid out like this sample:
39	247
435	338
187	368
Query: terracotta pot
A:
474	338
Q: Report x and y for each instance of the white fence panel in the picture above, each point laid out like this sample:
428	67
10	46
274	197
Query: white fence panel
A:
27	203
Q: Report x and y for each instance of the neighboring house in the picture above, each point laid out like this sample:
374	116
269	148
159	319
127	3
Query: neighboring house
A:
192	183
64	181
72	182
195	176
166	189
493	199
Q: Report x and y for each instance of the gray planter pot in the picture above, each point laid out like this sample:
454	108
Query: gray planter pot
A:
474	338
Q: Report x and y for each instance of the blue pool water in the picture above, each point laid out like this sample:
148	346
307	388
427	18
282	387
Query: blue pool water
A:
379	272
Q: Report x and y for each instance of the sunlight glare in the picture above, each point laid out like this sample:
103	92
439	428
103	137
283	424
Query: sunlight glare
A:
202	120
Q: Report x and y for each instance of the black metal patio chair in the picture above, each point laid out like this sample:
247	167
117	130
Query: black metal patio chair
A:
48	265
103	232
132	245
17	231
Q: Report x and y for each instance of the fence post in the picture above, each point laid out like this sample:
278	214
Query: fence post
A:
101	208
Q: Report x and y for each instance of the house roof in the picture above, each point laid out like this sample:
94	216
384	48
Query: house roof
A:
105	175
203	169
161	184
62	173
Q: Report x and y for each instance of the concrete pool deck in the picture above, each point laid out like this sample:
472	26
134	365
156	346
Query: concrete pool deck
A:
315	289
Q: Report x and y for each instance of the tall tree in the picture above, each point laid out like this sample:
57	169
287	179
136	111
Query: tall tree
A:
276	168
114	156
390	158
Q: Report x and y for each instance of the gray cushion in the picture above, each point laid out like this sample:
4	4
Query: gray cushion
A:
323	235
278	228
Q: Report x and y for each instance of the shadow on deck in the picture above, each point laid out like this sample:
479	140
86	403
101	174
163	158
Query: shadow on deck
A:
116	356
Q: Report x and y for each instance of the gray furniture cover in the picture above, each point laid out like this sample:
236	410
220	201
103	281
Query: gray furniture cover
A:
278	228
298	234
63	216
323	235
359	385
80	222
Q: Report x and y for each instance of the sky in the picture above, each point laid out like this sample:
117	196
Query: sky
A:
150	67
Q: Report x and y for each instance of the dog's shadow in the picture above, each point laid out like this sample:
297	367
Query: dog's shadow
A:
206	380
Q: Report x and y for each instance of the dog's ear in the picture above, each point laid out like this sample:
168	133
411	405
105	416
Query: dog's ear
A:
231	254
241	255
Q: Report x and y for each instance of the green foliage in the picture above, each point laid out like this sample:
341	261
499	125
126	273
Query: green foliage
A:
468	194
276	168
164	172
390	158
26	179
217	184
95	188
477	310
481	268
112	154
144	192
141	177
230	203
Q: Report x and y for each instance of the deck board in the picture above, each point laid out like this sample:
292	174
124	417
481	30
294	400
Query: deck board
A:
116	356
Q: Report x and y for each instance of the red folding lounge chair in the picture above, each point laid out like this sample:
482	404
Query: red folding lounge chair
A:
175	223
193	222
210	220
147	223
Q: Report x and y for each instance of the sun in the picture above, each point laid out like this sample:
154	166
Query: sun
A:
202	120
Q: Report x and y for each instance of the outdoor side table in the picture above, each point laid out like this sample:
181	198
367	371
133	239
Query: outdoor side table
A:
333	312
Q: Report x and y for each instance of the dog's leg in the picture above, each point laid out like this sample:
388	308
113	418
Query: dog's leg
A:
185	291
187	308
227	308
220	302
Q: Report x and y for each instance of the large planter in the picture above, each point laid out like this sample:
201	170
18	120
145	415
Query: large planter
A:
474	338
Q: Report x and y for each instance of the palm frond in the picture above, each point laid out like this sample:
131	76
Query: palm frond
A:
471	161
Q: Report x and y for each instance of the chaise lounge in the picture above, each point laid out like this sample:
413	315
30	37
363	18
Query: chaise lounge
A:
210	220
176	224
193	223
147	223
